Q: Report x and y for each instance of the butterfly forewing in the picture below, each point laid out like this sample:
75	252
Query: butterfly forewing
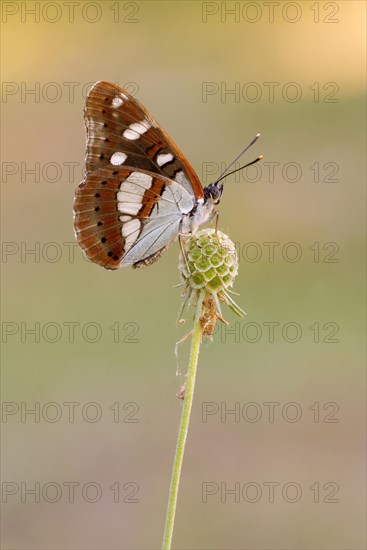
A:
122	132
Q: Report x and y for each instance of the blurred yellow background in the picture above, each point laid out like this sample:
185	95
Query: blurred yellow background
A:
99	368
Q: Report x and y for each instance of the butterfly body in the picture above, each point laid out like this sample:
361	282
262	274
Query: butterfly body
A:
139	192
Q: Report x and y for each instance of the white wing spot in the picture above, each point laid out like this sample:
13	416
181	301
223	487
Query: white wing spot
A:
129	227
118	158
164	159
130	196
131	134
117	101
137	179
128	207
140	127
130	230
136	129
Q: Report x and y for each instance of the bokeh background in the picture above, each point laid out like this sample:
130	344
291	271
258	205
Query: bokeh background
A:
104	343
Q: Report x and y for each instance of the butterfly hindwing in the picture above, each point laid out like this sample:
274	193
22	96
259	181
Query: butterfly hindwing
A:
125	216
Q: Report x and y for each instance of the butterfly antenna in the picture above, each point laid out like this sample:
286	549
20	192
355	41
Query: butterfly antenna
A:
224	173
241	168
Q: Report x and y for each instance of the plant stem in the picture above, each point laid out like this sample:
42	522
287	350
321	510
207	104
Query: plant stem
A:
184	426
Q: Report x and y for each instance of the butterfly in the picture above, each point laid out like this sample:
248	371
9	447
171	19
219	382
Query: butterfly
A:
139	191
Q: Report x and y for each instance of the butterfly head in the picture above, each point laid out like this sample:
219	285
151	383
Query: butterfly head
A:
213	193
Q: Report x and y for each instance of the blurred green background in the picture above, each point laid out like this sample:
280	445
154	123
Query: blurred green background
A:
166	53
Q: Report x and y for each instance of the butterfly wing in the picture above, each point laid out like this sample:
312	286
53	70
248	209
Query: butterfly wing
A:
122	132
137	184
127	217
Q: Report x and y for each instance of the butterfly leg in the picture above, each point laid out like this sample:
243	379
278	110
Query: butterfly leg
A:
215	217
183	251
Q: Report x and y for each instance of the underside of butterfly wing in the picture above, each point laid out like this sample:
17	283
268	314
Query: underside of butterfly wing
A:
138	186
127	217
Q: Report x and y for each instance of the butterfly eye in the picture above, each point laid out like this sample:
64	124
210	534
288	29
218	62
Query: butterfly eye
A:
213	192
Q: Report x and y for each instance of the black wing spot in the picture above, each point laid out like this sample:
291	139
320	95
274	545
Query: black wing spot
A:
96	209
115	258
103	240
99	224
110	254
97	195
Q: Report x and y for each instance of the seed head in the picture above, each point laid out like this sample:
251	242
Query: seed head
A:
209	263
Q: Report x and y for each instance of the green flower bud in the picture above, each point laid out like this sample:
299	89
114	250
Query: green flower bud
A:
208	263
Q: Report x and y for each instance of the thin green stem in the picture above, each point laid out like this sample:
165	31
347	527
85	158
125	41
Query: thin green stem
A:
184	426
